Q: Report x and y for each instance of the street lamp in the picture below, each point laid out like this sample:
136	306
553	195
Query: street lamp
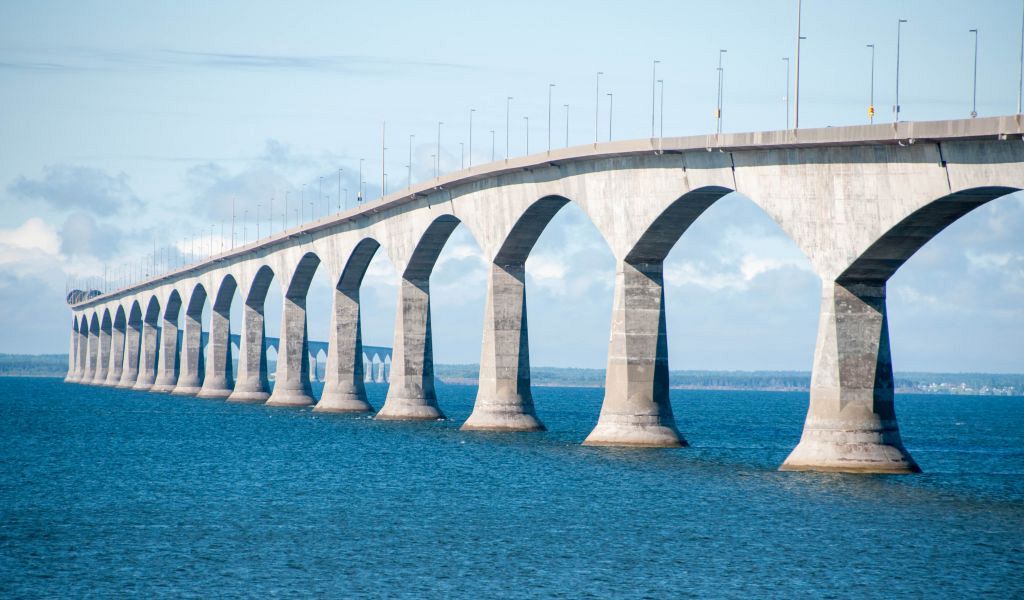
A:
896	107
611	104
871	104
471	111
654	78
597	105
786	58
359	196
661	102
974	99
409	165
796	91
566	125
508	107
492	145
437	163
1020	68
527	119
551	87
718	110
383	148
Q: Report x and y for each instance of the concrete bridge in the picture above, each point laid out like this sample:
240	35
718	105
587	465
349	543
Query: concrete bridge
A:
858	201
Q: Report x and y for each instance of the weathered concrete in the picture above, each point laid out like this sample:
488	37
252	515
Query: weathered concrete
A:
117	343
132	348
103	356
191	358
218	382
251	384
291	382
167	368
344	391
148	348
858	201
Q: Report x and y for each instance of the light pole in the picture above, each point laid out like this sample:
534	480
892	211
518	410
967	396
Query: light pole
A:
492	145
1020	68
871	103
611	105
661	104
721	76
285	210
527	119
339	191
471	111
437	162
270	217
551	87
974	98
654	78
796	90
508	107
786	58
232	223
896	107
409	165
359	196
597	106
566	125
257	220
302	202
320	192
383	148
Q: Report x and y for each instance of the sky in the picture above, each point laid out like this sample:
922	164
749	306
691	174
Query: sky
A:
126	125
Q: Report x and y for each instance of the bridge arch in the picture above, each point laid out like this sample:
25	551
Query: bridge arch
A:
169	360
217	382
117	346
251	380
192	363
103	364
291	381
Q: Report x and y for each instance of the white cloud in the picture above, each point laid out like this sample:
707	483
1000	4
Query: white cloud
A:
33	234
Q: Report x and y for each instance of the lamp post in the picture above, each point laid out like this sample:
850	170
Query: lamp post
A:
437	162
302	202
320	192
796	91
527	119
339	190
492	145
611	105
871	103
257	220
597	106
383	148
974	97
654	78
471	111
566	125
1020	67
786	58
718	110
409	165
896	107
359	196
661	106
508	107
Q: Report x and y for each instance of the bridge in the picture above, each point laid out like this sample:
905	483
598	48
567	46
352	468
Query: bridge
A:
858	201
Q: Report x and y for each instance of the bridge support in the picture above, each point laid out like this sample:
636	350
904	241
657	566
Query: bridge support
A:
503	399
189	381
167	369
344	391
636	409
91	354
130	372
102	355
74	362
291	384
851	422
148	356
116	355
217	383
411	395
251	379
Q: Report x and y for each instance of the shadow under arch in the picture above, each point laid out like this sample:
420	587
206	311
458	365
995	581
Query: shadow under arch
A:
169	361
344	390
291	379
252	379
852	384
217	381
192	363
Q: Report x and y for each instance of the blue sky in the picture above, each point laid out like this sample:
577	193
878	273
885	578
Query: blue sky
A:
125	124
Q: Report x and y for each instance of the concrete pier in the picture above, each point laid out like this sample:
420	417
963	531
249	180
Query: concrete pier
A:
851	422
167	369
411	395
132	349
103	351
636	409
117	343
291	384
504	401
218	382
251	381
148	348
191	357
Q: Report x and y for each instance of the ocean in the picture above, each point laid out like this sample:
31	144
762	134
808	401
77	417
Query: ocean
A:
112	493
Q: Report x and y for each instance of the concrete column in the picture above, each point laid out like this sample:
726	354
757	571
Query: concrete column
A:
291	384
116	356
251	379
411	394
91	355
103	357
217	383
503	399
147	357
343	380
72	374
851	422
82	355
189	376
167	370
130	373
636	409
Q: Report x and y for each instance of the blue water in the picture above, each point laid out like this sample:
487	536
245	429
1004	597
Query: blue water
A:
111	493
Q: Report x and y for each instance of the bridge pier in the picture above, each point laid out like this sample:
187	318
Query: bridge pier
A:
411	395
636	409
91	353
851	421
251	379
74	373
116	354
102	355
132	334
148	349
503	400
291	384
167	370
217	383
191	364
344	391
